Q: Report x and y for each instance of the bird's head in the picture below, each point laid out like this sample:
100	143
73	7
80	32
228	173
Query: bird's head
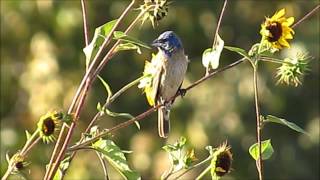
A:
168	42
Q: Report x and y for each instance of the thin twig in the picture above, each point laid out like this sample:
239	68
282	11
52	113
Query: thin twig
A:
31	142
110	54
204	172
218	24
86	85
104	165
85	22
115	128
56	148
99	114
151	110
215	72
30	147
306	16
194	166
94	61
256	99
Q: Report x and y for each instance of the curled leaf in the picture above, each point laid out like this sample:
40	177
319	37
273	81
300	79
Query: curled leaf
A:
211	56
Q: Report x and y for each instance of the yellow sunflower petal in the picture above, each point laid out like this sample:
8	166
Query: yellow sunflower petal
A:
283	42
278	14
290	21
150	100
288	36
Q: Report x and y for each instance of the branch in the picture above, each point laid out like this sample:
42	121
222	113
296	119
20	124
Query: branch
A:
219	22
85	23
86	83
151	110
306	16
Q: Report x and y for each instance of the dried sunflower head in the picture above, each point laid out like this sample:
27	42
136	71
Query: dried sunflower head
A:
155	10
221	161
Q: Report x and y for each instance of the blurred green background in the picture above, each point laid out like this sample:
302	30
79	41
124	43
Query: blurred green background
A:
42	64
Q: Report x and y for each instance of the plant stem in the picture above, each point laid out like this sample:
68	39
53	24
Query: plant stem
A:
195	166
256	99
115	128
151	110
277	61
31	142
86	84
103	164
85	23
111	52
218	24
8	172
31	146
203	173
117	94
214	73
306	16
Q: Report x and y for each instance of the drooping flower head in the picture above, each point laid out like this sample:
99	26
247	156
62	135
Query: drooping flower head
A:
276	30
49	124
221	161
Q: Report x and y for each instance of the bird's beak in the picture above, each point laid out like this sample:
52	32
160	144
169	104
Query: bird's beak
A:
156	43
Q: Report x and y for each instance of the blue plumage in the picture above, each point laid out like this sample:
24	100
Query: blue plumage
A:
171	66
168	42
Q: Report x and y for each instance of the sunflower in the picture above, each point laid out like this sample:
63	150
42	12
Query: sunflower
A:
221	161
276	30
149	73
48	125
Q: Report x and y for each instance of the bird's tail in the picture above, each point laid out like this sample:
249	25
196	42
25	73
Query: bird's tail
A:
164	121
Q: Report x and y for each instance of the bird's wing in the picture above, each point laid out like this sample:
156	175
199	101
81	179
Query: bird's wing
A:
157	79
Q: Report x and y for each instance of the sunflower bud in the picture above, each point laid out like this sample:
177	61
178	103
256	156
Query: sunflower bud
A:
18	162
155	10
293	69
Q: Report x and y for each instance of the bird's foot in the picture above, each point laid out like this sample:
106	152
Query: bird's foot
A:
182	92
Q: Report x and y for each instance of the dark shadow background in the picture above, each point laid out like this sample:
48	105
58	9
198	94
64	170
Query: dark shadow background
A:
42	64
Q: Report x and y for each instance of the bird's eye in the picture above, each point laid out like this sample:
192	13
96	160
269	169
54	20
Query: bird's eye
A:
161	40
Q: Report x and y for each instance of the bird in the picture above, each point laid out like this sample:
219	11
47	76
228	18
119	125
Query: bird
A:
170	69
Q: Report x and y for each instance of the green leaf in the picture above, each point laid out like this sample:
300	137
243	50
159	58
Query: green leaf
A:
113	154
62	168
240	51
124	115
118	35
99	35
284	122
266	150
128	46
114	114
28	135
211	56
100	108
108	89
